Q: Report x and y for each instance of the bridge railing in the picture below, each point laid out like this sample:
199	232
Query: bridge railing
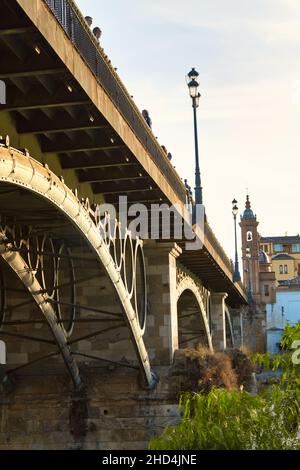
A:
80	34
211	237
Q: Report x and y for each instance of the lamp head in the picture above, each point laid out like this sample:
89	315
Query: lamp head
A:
235	210
192	75
193	88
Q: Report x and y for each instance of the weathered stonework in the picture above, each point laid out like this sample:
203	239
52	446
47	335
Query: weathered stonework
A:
42	412
161	337
218	319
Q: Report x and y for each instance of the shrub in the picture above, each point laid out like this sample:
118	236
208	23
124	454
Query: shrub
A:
290	334
222	420
290	371
243	368
200	370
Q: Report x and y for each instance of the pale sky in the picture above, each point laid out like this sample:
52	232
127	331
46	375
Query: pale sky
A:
248	55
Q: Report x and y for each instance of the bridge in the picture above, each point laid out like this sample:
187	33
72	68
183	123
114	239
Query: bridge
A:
76	287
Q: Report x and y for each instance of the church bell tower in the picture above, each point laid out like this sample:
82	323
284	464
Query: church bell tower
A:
250	253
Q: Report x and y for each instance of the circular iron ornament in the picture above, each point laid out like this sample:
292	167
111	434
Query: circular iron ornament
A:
140	286
118	248
33	255
2	298
106	224
112	239
70	283
50	269
128	266
101	228
17	236
128	256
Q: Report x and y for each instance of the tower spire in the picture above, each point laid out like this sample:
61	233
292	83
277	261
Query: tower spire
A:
248	212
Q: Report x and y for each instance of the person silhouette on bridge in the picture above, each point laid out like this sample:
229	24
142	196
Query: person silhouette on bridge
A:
89	20
97	33
147	117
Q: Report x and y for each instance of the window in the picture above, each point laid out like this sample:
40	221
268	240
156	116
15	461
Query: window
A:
281	269
277	247
298	269
285	269
266	290
296	248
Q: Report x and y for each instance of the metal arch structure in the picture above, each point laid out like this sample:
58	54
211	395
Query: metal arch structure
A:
20	169
185	282
229	323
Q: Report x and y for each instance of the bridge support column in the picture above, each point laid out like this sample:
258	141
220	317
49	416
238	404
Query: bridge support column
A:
161	337
218	320
237	325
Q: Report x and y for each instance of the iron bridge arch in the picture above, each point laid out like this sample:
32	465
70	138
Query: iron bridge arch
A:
19	169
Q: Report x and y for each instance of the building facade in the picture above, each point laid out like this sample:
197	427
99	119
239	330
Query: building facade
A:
284	254
271	268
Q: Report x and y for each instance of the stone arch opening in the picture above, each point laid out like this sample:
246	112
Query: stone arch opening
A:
193	329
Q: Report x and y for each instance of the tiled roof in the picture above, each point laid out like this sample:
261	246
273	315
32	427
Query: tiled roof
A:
282	256
279	240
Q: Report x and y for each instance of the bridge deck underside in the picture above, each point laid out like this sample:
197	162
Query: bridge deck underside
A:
212	277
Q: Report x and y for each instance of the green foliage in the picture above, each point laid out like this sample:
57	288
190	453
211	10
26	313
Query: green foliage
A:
230	420
290	334
285	361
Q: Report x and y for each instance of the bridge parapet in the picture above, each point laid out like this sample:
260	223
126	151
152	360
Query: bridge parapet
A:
214	242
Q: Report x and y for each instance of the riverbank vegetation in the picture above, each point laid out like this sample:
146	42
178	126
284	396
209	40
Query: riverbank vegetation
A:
230	417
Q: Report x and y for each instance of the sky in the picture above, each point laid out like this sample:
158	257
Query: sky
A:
248	56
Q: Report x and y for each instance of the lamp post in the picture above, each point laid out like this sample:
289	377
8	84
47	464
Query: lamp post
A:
236	274
193	85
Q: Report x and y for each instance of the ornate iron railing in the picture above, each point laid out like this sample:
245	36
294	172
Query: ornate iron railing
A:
79	33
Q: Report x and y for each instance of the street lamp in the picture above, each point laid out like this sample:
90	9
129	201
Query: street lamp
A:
193	85
236	274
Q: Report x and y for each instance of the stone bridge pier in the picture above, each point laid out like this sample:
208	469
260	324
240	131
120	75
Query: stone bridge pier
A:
181	311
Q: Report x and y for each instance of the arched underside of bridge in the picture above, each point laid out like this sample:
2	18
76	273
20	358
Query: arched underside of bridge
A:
193	314
47	237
